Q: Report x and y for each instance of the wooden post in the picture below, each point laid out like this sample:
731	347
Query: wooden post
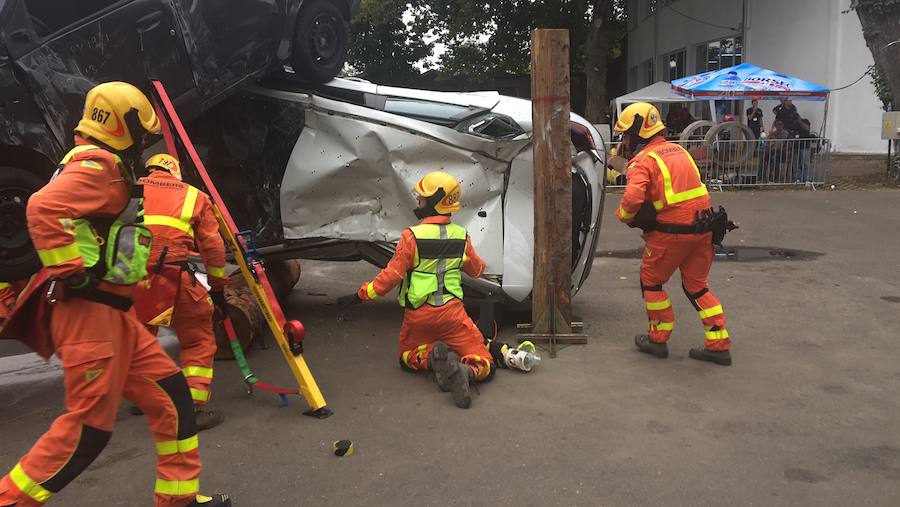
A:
550	97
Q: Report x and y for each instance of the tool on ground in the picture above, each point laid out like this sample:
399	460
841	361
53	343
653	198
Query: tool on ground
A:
523	358
288	334
342	448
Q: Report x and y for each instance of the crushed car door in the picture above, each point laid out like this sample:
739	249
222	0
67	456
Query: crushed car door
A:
352	173
65	48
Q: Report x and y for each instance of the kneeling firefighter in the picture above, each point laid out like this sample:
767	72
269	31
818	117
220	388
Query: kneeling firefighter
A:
87	227
181	219
666	198
436	333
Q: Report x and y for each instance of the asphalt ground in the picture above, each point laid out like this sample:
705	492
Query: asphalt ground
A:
807	415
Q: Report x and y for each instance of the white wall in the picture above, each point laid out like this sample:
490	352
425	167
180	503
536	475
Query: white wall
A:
816	41
810	39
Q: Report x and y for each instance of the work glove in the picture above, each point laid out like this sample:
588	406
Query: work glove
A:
221	307
345	302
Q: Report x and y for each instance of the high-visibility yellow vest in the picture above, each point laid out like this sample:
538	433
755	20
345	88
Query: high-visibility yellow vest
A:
435	277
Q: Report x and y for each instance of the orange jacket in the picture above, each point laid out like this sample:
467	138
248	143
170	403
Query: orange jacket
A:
91	184
665	175
181	217
402	262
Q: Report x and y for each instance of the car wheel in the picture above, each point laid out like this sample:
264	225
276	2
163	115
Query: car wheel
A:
320	43
18	258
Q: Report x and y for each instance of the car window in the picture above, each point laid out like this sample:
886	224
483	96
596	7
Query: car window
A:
434	112
51	16
491	126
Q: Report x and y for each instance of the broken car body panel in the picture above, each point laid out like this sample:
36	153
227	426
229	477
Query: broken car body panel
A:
350	176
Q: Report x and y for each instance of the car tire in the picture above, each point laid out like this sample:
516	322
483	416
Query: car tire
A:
18	258
320	42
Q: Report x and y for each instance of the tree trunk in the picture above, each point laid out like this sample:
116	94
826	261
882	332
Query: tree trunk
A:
881	28
596	49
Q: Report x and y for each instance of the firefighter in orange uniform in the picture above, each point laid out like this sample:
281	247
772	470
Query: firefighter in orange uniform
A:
180	216
436	333
86	227
664	181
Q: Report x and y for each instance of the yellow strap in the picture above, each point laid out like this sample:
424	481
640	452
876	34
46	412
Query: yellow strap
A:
177	488
626	215
662	305
197	371
177	446
59	255
172	222
717	335
370	291
216	272
664	326
199	395
671	196
28	486
190	200
711	312
4	285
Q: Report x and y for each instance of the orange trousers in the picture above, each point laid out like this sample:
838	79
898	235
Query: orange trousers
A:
450	324
192	321
692	254
107	355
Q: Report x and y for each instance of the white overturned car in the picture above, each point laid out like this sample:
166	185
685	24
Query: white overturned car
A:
328	173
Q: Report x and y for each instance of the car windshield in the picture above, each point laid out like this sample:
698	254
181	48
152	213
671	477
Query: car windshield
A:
434	112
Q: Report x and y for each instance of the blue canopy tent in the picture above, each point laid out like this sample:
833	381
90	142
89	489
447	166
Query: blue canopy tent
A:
747	82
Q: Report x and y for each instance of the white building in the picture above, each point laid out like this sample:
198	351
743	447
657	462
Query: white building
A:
816	40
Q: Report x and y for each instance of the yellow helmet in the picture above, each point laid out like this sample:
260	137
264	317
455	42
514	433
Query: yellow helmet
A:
440	187
641	119
118	115
165	162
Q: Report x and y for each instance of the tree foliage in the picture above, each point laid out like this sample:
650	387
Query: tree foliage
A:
383	49
881	30
481	39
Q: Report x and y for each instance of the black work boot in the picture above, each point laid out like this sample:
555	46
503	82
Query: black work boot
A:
211	501
645	345
721	357
441	355
460	385
207	419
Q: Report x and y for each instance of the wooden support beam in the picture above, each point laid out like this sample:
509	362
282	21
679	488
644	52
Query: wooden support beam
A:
550	96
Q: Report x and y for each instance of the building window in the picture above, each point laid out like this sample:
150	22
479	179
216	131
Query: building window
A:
720	54
651	7
647	72
674	65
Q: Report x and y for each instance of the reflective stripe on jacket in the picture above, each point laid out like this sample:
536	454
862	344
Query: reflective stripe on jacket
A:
92	183
180	216
665	175
404	260
435	277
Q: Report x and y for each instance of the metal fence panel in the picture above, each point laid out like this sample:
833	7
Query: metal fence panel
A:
755	163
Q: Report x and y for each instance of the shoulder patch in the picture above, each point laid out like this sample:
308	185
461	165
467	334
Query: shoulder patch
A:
91	164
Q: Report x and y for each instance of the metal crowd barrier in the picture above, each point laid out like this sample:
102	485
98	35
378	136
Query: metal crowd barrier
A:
756	163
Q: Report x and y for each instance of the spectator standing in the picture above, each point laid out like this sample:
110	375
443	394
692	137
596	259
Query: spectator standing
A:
809	144
770	161
755	118
786	112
